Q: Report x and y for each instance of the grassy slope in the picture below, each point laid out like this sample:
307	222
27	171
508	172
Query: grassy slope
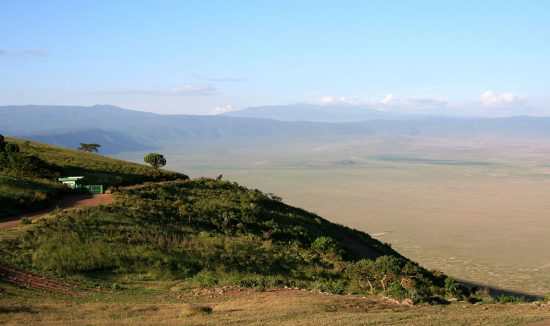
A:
96	168
33	186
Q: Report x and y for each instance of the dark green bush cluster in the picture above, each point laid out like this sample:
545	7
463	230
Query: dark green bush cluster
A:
8	147
394	276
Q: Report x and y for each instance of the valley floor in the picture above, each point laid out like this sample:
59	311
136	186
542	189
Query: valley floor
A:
154	303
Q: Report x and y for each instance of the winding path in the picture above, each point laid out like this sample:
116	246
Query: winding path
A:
67	203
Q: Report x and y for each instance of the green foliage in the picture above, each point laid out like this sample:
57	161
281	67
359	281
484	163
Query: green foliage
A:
323	244
90	148
155	160
11	148
8	147
455	289
503	298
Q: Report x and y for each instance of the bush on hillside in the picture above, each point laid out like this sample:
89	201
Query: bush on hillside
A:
11	148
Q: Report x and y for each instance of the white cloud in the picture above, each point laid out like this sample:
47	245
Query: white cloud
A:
24	53
178	90
428	101
329	100
219	78
193	89
388	102
415	102
222	109
490	98
388	99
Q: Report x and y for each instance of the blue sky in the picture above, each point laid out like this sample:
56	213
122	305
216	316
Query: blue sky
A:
203	57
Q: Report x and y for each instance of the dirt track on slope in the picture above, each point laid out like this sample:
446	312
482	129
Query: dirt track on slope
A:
67	203
36	281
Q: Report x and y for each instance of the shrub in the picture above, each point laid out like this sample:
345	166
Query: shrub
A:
11	148
323	244
503	298
455	289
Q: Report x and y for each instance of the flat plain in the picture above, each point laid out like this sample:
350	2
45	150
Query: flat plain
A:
476	208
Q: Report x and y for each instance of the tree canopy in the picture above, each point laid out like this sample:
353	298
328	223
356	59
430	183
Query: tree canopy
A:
89	147
156	161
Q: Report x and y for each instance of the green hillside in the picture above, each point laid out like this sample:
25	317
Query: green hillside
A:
212	233
28	178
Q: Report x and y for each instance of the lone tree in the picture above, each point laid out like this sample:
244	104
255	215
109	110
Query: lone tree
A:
2	143
155	160
89	147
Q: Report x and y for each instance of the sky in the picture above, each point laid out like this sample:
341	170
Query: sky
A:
209	57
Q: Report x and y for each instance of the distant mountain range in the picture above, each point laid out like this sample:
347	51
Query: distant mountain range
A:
119	130
318	113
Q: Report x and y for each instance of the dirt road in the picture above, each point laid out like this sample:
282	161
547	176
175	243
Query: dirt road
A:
71	202
37	281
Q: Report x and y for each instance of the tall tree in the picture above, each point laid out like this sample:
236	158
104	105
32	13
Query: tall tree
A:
89	147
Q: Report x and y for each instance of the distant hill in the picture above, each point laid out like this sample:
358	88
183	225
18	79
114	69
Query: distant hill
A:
135	128
317	113
119	130
112	142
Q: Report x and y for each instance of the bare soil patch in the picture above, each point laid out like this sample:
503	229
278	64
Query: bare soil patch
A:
37	281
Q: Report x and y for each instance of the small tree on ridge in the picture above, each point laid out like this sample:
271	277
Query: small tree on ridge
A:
155	160
89	147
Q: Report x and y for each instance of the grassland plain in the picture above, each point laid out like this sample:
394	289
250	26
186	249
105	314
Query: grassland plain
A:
473	208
